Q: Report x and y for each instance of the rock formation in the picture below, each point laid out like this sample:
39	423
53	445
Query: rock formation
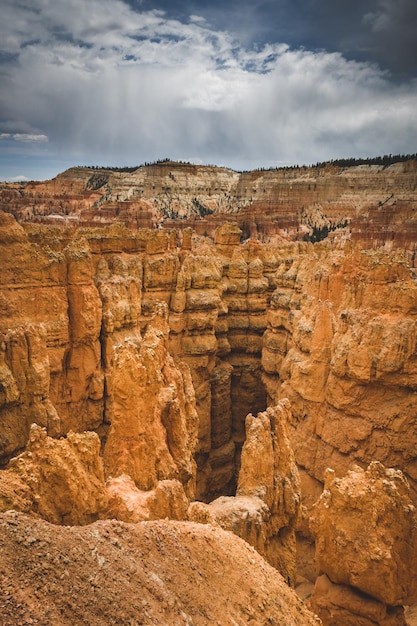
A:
153	432
371	203
129	504
340	344
266	508
341	605
294	284
332	328
366	539
61	481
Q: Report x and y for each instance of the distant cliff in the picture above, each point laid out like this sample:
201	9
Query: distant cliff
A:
372	204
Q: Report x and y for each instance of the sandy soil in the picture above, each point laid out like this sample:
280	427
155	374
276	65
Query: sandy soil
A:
160	572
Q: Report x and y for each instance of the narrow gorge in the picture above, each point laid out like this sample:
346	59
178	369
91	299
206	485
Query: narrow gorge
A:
234	350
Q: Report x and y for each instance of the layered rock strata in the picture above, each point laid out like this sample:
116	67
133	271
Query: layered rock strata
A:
332	329
371	204
341	345
146	457
136	361
179	336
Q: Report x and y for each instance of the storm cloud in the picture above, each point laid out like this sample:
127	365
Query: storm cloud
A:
107	82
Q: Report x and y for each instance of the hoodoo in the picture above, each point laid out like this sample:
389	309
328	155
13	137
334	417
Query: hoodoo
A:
234	352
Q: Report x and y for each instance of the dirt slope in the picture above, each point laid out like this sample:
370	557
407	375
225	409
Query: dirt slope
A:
160	572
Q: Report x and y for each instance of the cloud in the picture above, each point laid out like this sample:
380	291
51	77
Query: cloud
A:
25	137
30	138
392	34
379	30
101	83
20	178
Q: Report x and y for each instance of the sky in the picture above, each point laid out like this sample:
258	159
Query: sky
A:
237	83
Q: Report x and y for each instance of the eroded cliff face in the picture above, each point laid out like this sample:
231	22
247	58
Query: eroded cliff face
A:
266	508
341	346
162	342
371	204
87	315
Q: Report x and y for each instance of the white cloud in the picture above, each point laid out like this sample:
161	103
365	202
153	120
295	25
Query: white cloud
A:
25	137
30	138
20	178
197	19
106	84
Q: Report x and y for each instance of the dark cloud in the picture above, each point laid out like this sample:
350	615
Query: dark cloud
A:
103	82
382	31
392	35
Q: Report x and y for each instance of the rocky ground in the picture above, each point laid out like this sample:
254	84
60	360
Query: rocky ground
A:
411	615
305	588
161	572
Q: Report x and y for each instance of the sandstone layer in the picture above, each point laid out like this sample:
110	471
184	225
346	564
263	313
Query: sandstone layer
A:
371	203
163	345
138	361
340	345
86	314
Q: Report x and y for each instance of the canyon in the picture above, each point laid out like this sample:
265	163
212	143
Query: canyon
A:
231	351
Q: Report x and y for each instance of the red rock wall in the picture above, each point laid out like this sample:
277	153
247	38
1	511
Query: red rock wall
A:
330	327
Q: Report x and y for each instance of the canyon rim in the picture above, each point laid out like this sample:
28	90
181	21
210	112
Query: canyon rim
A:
192	360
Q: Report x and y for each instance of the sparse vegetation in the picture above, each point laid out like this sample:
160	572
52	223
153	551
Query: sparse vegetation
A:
320	233
109	168
132	168
201	208
385	160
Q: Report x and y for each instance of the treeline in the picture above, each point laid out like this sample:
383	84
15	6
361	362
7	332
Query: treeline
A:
109	168
387	159
131	168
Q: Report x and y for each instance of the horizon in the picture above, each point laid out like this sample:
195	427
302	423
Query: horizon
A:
382	160
245	85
